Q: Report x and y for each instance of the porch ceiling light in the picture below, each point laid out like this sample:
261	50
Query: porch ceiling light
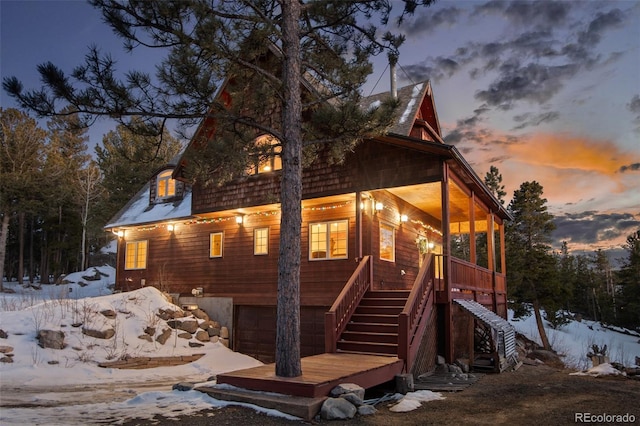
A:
379	206
404	218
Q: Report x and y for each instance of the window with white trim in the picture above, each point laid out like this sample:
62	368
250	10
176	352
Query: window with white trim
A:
135	255
269	158
387	242
216	241
261	241
328	240
166	185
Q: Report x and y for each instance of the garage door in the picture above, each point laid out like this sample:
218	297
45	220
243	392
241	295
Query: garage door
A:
255	331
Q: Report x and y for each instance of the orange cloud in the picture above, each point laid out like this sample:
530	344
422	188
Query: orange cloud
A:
569	152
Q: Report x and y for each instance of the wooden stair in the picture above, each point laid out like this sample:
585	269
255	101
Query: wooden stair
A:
373	327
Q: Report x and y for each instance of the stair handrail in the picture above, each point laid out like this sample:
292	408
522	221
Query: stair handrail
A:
413	318
336	319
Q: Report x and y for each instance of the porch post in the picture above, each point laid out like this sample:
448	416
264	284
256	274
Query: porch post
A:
446	265
491	258
358	226
472	229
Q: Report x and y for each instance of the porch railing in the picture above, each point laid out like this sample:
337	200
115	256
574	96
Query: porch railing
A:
335	320
413	318
473	282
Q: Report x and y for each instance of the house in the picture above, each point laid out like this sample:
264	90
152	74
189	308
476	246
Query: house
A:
403	248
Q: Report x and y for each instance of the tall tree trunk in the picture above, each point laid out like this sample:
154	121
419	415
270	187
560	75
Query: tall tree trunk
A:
21	248
32	263
288	303
4	231
44	260
540	324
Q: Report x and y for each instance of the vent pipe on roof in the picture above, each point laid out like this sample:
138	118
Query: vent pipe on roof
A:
393	60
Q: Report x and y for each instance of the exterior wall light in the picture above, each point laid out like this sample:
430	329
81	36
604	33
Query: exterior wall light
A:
379	206
239	219
171	227
404	218
120	233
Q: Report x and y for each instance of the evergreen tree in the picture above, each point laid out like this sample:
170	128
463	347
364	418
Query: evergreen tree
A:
531	268
493	180
267	51
21	148
629	276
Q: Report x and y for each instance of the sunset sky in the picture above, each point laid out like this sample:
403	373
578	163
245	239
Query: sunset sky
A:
545	91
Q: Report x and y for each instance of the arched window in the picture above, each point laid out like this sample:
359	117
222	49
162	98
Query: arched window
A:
269	158
166	186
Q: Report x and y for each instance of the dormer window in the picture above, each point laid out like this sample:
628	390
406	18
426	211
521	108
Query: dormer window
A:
166	186
269	157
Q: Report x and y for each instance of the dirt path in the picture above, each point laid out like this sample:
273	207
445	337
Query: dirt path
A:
533	395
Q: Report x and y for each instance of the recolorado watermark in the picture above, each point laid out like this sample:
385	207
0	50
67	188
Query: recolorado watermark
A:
604	418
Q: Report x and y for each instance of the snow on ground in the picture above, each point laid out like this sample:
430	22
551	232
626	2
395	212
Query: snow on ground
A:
66	387
575	339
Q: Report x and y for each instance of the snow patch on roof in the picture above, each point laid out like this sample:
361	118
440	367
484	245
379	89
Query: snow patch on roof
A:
140	211
417	90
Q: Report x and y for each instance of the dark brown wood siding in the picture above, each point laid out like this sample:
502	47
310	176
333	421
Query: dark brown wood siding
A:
180	259
373	165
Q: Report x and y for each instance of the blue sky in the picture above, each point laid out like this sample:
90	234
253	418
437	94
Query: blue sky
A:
545	91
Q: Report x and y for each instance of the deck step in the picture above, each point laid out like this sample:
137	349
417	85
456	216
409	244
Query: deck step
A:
373	337
387	294
368	327
378	310
375	318
383	301
368	347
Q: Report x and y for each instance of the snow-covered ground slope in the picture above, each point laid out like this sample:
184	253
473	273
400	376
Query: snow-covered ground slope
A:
575	339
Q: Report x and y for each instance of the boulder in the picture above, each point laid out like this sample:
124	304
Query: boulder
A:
352	398
99	334
151	331
224	332
185	335
51	339
337	409
195	345
3	334
183	386
146	337
348	388
109	313
367	410
213	331
188	326
164	336
200	314
5	349
202	336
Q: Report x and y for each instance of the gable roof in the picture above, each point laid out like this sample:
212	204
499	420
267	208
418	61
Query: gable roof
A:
415	103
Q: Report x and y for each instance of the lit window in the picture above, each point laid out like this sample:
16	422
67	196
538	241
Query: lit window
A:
261	241
328	240
136	255
215	244
166	185
387	242
270	158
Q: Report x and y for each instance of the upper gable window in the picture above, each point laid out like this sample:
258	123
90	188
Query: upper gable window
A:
270	158
166	186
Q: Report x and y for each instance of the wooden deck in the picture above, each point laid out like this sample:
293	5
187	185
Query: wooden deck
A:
320	374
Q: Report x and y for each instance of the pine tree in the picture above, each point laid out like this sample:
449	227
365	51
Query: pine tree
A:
266	51
493	180
21	147
629	276
531	268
